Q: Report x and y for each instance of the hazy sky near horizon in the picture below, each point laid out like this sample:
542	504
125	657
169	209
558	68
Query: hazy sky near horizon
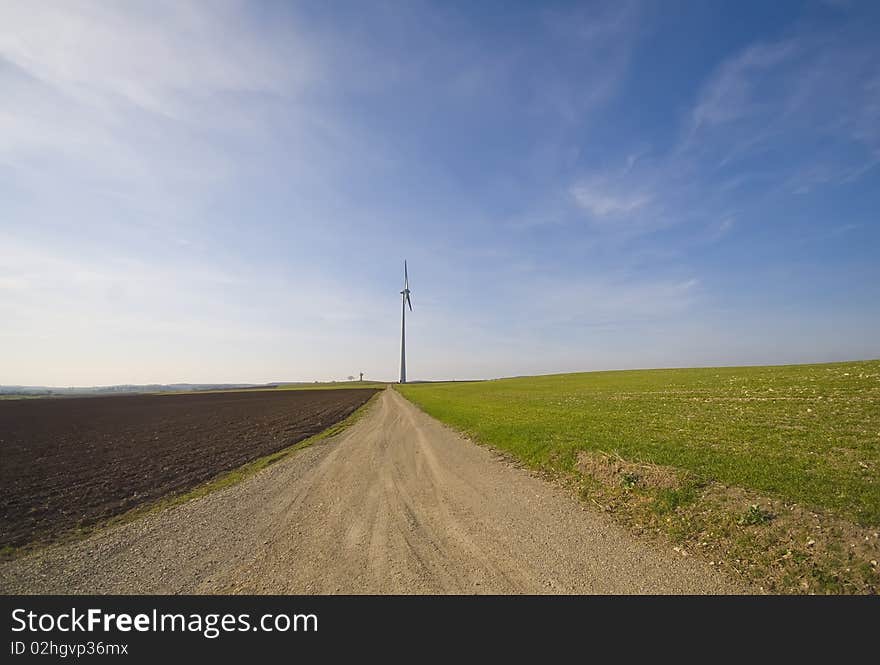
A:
226	191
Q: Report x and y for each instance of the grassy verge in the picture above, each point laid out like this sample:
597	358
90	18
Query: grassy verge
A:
694	449
220	482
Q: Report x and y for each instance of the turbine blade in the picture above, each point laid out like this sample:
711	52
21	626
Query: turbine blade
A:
405	276
408	301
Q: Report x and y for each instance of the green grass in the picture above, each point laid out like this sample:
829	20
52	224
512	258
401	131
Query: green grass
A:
807	434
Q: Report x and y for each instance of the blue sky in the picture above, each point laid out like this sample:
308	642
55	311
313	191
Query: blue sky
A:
226	191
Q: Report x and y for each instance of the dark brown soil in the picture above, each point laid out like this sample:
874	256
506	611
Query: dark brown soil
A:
72	462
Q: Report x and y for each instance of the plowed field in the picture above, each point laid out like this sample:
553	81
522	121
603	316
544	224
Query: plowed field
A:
71	462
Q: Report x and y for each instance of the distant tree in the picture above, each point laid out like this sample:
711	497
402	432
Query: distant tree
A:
351	378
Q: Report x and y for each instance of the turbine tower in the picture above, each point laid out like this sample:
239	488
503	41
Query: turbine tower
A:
403	303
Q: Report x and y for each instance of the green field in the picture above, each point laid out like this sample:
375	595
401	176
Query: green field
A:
54	393
808	434
331	385
324	385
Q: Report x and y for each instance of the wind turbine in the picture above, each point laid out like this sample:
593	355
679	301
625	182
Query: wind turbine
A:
403	303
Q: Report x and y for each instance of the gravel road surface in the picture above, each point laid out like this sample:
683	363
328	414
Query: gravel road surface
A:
397	503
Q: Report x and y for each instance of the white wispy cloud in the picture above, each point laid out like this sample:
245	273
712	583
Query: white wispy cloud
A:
601	200
145	101
603	37
159	56
812	95
735	90
778	118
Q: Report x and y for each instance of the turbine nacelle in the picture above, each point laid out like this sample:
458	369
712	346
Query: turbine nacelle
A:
405	292
405	300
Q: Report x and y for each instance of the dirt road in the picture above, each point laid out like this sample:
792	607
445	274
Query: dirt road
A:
397	503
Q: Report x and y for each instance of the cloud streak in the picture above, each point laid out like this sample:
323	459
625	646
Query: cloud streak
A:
601	203
776	119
